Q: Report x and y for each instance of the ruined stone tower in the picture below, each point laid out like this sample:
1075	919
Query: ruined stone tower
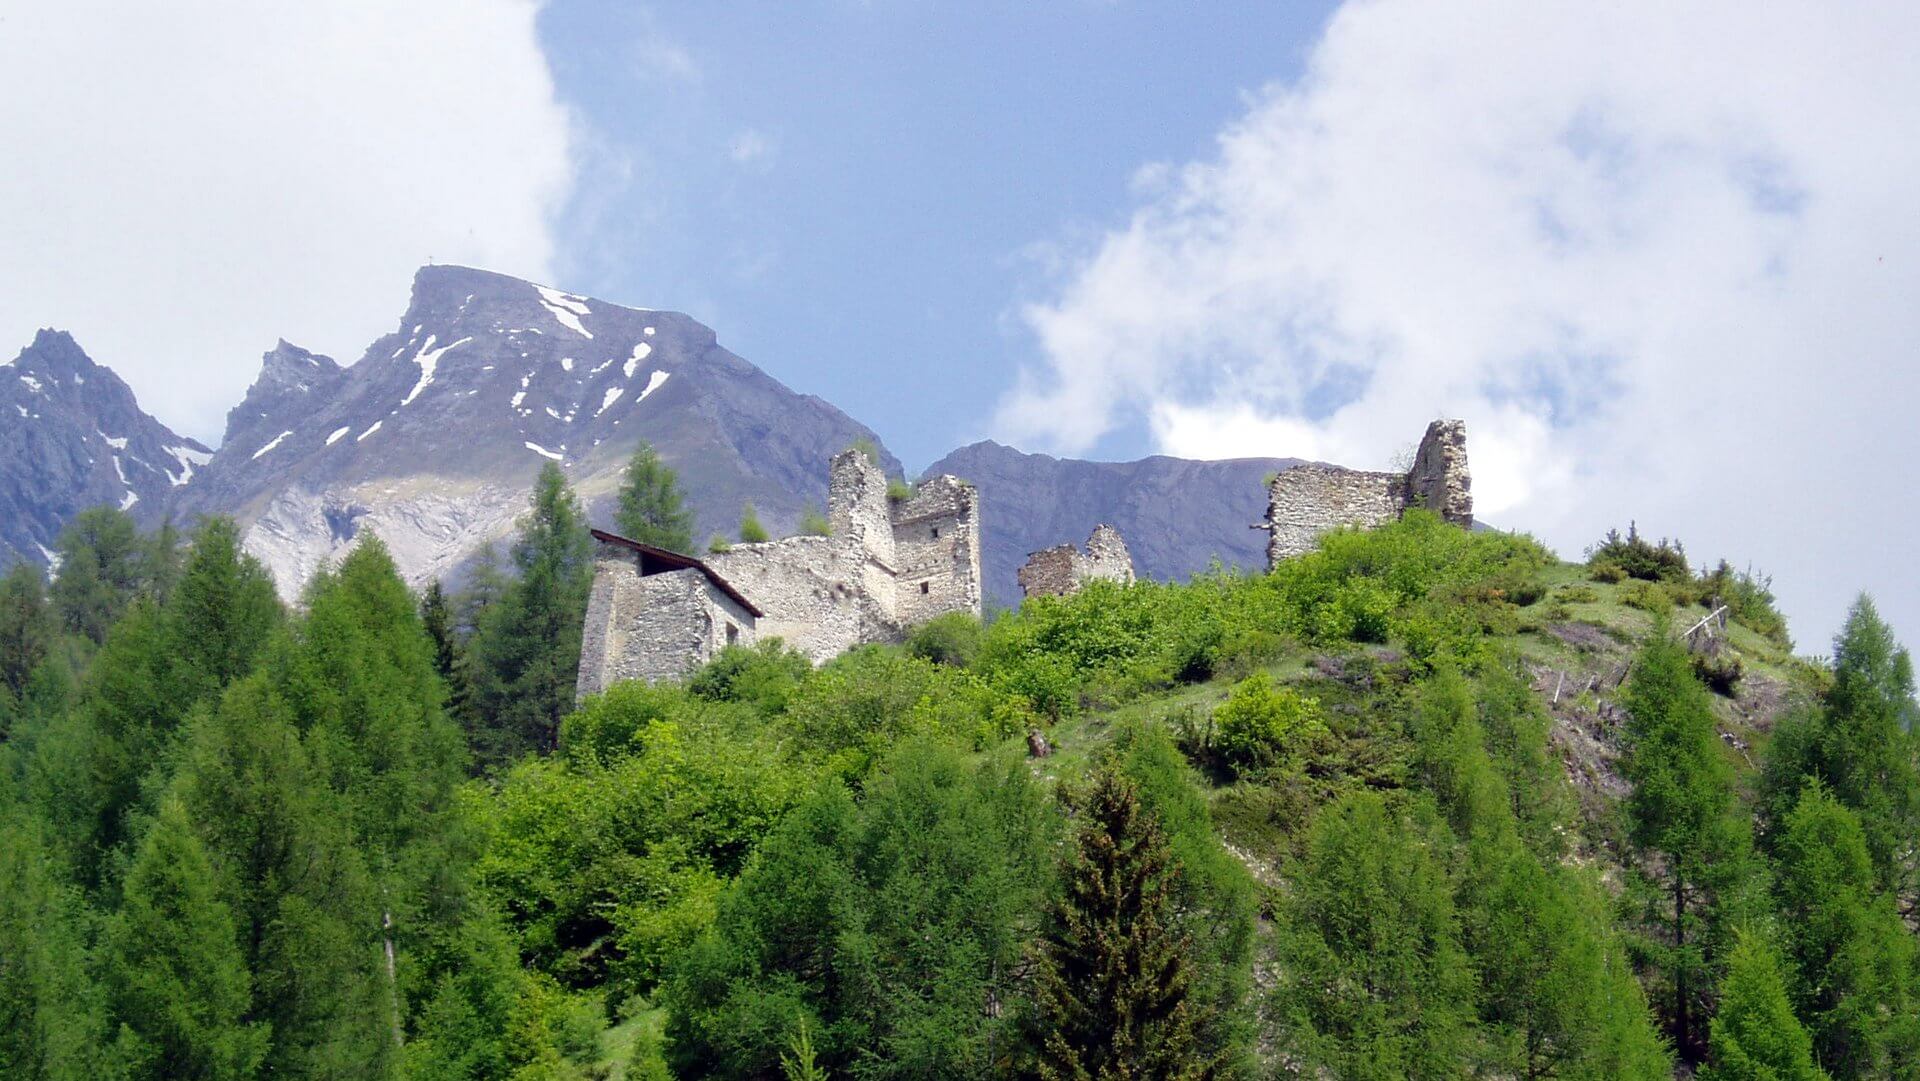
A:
884	566
1063	569
1308	500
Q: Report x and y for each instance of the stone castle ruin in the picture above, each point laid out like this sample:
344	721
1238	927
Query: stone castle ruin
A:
1063	569
884	566
888	564
1308	500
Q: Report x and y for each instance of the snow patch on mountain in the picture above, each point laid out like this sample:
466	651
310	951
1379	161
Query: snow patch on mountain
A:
272	444
429	359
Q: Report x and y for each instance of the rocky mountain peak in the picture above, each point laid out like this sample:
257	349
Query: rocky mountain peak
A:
73	436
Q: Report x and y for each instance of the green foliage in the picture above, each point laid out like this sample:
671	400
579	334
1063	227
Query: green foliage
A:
1113	998
1749	598
103	566
951	638
607	860
763	675
52	1015
898	490
868	449
180	989
1685	823
27	627
813	523
1755	1036
1647	596
891	927
1853	957
1261	724
1577	594
1640	558
1374	982
751	531
527	649
719	545
651	508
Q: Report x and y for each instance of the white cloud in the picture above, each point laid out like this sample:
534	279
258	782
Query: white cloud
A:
186	183
1661	257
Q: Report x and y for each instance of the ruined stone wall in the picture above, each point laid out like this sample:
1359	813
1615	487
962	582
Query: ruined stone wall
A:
1439	480
656	627
1308	500
857	508
1063	569
936	543
814	593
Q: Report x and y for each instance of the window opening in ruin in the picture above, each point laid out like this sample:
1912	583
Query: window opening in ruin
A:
923	587
936	532
733	634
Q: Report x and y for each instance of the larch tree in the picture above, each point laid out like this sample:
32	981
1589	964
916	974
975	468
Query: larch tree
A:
652	509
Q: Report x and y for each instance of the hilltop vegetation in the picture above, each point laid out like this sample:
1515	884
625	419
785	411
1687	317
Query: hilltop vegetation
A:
1422	803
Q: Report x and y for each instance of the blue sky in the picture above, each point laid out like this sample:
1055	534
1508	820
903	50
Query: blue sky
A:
856	196
1661	258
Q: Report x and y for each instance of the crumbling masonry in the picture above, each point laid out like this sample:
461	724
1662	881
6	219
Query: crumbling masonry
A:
1063	569
1308	500
883	567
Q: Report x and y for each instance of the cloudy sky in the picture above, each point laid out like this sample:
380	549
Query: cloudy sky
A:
1661	257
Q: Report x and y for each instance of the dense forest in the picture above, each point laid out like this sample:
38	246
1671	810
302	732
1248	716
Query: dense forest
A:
1424	803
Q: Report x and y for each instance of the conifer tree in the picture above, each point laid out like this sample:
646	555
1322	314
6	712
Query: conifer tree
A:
1755	1036
178	986
1853	958
51	1017
1113	994
449	653
27	627
165	560
652	509
751	531
528	647
1861	744
102	568
1375	982
485	586
1697	873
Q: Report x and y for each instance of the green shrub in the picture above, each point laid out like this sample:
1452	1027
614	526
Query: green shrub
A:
1260	723
751	531
1577	594
1641	558
1749	599
813	523
1719	668
952	638
719	544
898	490
1647	596
1607	573
763	675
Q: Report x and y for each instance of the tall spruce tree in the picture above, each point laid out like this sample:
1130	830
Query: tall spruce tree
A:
449	652
1113	996
528	646
102	568
1696	876
1375	983
1853	958
27	627
652	509
179	989
1862	746
52	1022
1755	1036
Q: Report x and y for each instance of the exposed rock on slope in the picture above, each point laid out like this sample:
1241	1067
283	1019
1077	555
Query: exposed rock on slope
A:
72	437
432	440
1176	515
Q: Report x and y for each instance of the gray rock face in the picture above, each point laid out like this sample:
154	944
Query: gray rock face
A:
72	436
1176	515
433	438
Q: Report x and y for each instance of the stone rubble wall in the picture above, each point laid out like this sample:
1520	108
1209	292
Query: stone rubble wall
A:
660	626
1063	569
814	592
858	511
1308	500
